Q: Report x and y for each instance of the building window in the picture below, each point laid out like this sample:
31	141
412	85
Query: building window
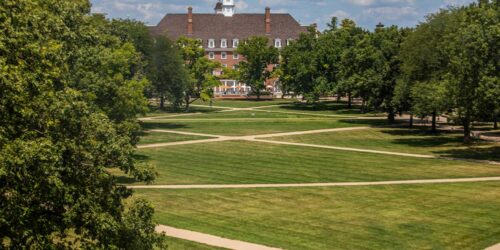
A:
211	43
289	41
224	65
223	55
236	42
277	43
223	43
211	55
236	56
235	67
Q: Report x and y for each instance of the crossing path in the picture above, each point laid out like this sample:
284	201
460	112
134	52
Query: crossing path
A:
208	239
334	184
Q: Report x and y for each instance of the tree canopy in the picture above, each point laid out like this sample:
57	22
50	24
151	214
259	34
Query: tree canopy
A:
70	91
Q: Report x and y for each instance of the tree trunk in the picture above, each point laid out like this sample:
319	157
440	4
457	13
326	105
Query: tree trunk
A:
349	102
411	120
495	121
467	130
434	122
363	106
258	94
162	102
338	98
187	99
391	117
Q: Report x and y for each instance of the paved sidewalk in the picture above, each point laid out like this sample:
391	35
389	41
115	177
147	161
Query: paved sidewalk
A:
210	239
495	247
334	184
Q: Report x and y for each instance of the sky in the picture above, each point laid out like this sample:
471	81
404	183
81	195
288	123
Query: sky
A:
366	13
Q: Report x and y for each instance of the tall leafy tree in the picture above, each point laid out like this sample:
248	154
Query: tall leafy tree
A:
200	69
255	69
68	102
300	69
351	64
424	63
171	78
473	53
386	44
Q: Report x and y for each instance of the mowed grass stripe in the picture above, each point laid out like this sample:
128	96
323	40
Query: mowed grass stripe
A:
441	216
245	162
254	127
149	137
403	140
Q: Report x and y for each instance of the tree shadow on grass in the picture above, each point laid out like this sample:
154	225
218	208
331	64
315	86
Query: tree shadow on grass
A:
476	153
478	150
163	125
366	122
323	106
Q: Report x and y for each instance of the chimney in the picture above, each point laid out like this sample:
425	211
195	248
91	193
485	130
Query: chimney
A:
268	20
190	21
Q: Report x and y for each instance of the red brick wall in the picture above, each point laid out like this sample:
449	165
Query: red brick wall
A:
230	62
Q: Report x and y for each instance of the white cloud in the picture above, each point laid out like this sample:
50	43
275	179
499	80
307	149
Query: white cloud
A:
340	14
380	2
390	13
241	5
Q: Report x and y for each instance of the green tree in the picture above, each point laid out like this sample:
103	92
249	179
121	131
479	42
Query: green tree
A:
299	67
423	60
68	102
171	78
349	62
255	69
386	68
473	53
430	99
200	69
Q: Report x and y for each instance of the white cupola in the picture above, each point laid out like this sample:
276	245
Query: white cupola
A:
227	7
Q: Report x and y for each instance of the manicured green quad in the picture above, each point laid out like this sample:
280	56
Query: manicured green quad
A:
417	216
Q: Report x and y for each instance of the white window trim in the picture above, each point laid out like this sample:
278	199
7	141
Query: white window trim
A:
211	43
223	43
223	55
236	56
211	55
289	41
277	43
236	42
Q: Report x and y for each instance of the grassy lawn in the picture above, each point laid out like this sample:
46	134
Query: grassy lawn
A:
246	115
254	126
179	244
245	103
234	162
168	111
403	140
439	216
329	108
158	137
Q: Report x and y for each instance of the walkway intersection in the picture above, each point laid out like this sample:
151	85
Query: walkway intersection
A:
261	138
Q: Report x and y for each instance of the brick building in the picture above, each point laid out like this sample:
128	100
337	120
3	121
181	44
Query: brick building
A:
221	32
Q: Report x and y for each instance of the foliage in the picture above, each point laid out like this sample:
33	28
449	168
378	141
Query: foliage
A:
473	53
171	78
70	92
254	71
300	73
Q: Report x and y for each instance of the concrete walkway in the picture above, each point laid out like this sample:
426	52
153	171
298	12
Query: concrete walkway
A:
348	149
166	116
210	239
495	247
334	184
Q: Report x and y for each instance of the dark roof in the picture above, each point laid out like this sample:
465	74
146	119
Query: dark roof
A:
218	6
241	26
